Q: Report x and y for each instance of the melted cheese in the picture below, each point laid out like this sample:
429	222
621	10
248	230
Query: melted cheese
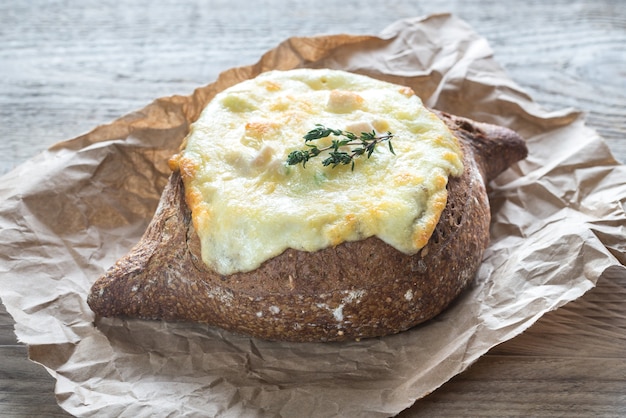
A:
248	205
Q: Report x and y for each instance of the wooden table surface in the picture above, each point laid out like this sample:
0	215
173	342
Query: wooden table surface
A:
66	67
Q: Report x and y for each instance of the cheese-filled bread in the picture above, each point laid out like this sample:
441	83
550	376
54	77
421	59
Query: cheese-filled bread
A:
314	205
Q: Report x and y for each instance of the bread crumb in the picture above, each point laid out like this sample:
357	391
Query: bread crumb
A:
274	309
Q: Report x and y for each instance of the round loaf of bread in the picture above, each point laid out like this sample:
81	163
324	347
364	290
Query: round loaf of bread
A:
355	289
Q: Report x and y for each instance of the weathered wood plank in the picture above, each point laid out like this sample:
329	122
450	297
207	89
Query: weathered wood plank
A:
530	386
26	389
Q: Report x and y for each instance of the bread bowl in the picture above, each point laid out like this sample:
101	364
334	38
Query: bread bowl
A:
327	285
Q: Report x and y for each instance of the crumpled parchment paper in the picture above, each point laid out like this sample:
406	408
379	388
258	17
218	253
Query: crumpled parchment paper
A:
69	213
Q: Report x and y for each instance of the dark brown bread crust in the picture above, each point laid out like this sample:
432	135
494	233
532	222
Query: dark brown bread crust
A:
354	290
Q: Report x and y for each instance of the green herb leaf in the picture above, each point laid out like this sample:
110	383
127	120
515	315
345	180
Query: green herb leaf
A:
363	144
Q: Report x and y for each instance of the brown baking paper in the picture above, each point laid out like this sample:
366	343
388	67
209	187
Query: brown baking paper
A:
69	213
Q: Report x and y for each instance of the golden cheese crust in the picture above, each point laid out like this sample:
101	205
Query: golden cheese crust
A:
248	205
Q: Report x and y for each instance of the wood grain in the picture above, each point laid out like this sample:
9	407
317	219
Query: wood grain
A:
66	67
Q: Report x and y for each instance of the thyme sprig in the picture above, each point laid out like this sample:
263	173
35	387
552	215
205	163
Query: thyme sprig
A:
365	143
